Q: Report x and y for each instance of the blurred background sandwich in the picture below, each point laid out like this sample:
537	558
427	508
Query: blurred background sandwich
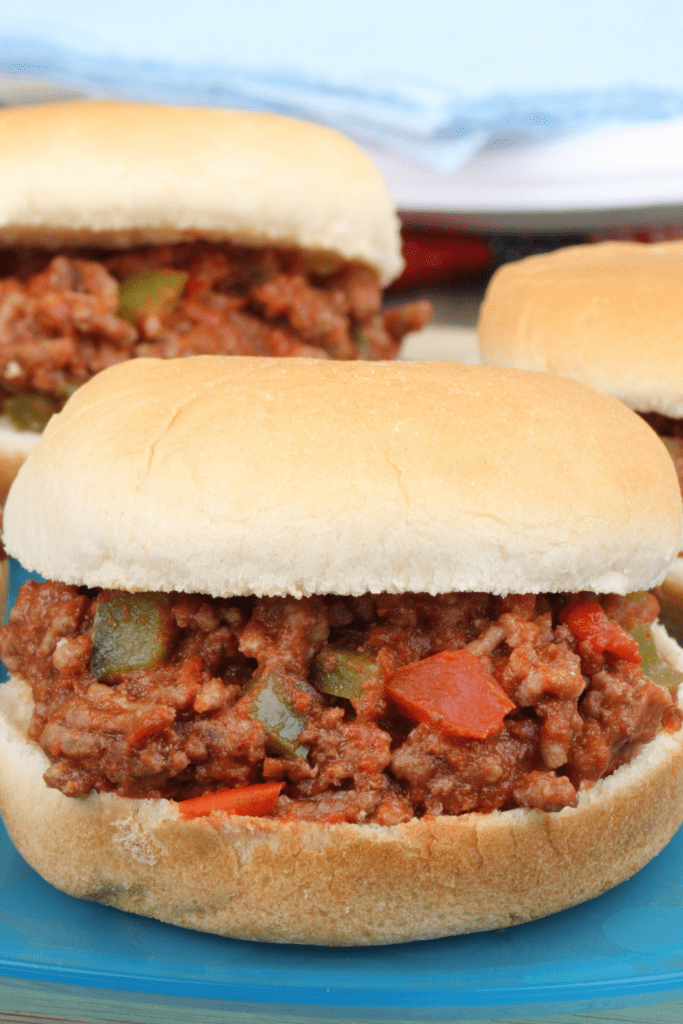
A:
132	229
609	315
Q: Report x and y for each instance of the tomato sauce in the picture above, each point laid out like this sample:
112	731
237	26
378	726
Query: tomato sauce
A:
212	711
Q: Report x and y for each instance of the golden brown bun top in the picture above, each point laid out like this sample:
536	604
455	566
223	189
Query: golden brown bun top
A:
271	476
106	173
609	314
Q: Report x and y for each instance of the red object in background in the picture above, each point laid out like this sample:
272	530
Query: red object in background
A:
434	256
652	233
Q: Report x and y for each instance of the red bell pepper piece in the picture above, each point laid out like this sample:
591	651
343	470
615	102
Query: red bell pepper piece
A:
254	800
588	621
453	692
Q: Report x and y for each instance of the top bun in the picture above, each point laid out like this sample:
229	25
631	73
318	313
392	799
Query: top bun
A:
275	476
120	174
609	314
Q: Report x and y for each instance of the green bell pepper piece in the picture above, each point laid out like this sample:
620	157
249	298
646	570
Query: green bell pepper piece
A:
652	665
342	673
283	724
360	338
150	291
130	631
29	412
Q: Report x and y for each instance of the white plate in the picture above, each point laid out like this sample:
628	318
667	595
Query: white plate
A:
616	177
458	343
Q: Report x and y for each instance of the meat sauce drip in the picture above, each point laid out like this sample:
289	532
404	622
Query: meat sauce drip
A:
61	316
198	720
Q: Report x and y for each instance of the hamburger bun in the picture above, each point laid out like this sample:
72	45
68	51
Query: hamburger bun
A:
472	479
109	174
606	314
103	175
345	478
335	884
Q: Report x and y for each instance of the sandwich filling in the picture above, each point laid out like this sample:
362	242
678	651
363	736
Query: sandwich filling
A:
376	709
64	318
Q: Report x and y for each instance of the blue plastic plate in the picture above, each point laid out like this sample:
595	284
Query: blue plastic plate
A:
622	948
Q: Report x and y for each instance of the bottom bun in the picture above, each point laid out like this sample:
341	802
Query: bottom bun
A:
336	885
670	596
15	447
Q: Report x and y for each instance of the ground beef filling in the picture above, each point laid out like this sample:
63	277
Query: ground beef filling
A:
61	322
192	721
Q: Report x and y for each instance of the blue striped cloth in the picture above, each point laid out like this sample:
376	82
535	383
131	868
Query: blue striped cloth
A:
432	81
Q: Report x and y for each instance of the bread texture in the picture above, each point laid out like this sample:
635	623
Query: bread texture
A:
106	173
341	884
607	314
297	476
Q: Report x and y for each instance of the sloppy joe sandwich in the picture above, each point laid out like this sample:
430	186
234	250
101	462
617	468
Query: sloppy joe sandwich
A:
340	653
136	230
608	315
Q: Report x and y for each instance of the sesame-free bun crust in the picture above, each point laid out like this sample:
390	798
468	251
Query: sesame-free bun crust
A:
106	173
606	314
343	884
300	476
